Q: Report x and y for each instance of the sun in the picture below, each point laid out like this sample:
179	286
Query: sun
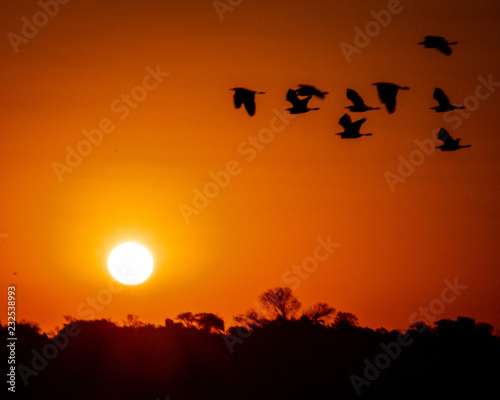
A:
130	263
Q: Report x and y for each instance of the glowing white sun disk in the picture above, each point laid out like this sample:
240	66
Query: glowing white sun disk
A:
130	263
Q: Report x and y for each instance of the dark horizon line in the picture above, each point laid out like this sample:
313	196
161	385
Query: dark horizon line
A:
143	324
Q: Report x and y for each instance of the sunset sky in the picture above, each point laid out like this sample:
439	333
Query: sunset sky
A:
156	76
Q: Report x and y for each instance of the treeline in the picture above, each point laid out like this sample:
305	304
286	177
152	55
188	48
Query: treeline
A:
271	353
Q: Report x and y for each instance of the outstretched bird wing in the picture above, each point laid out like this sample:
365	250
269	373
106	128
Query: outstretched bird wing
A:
441	98
291	96
444	48
387	94
250	106
439	43
345	122
356	125
306	90
444	136
442	45
240	95
238	101
355	98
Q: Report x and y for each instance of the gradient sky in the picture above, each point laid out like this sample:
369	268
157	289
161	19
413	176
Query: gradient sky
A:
395	247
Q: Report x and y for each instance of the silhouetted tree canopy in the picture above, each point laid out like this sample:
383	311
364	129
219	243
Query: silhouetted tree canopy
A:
280	302
186	318
251	319
302	358
28	325
484	328
207	321
133	321
345	320
320	313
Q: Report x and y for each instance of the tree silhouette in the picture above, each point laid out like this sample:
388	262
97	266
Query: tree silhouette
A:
205	321
68	318
280	302
251	319
345	320
169	323
420	326
209	322
187	319
305	358
320	313
133	321
34	326
484	328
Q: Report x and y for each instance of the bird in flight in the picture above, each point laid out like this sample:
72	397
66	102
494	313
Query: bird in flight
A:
387	93
308	90
444	102
299	106
439	43
450	144
351	129
246	97
358	105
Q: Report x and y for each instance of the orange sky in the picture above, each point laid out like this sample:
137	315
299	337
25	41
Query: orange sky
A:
395	247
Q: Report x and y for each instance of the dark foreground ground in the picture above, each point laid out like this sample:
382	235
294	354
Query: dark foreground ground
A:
280	360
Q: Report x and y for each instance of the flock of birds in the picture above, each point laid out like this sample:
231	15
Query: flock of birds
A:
387	93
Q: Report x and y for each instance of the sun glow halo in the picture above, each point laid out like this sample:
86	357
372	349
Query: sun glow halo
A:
130	263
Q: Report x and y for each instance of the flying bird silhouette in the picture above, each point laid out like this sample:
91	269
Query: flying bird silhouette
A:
308	90
299	105
351	129
444	102
387	93
358	105
450	144
439	43
246	97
